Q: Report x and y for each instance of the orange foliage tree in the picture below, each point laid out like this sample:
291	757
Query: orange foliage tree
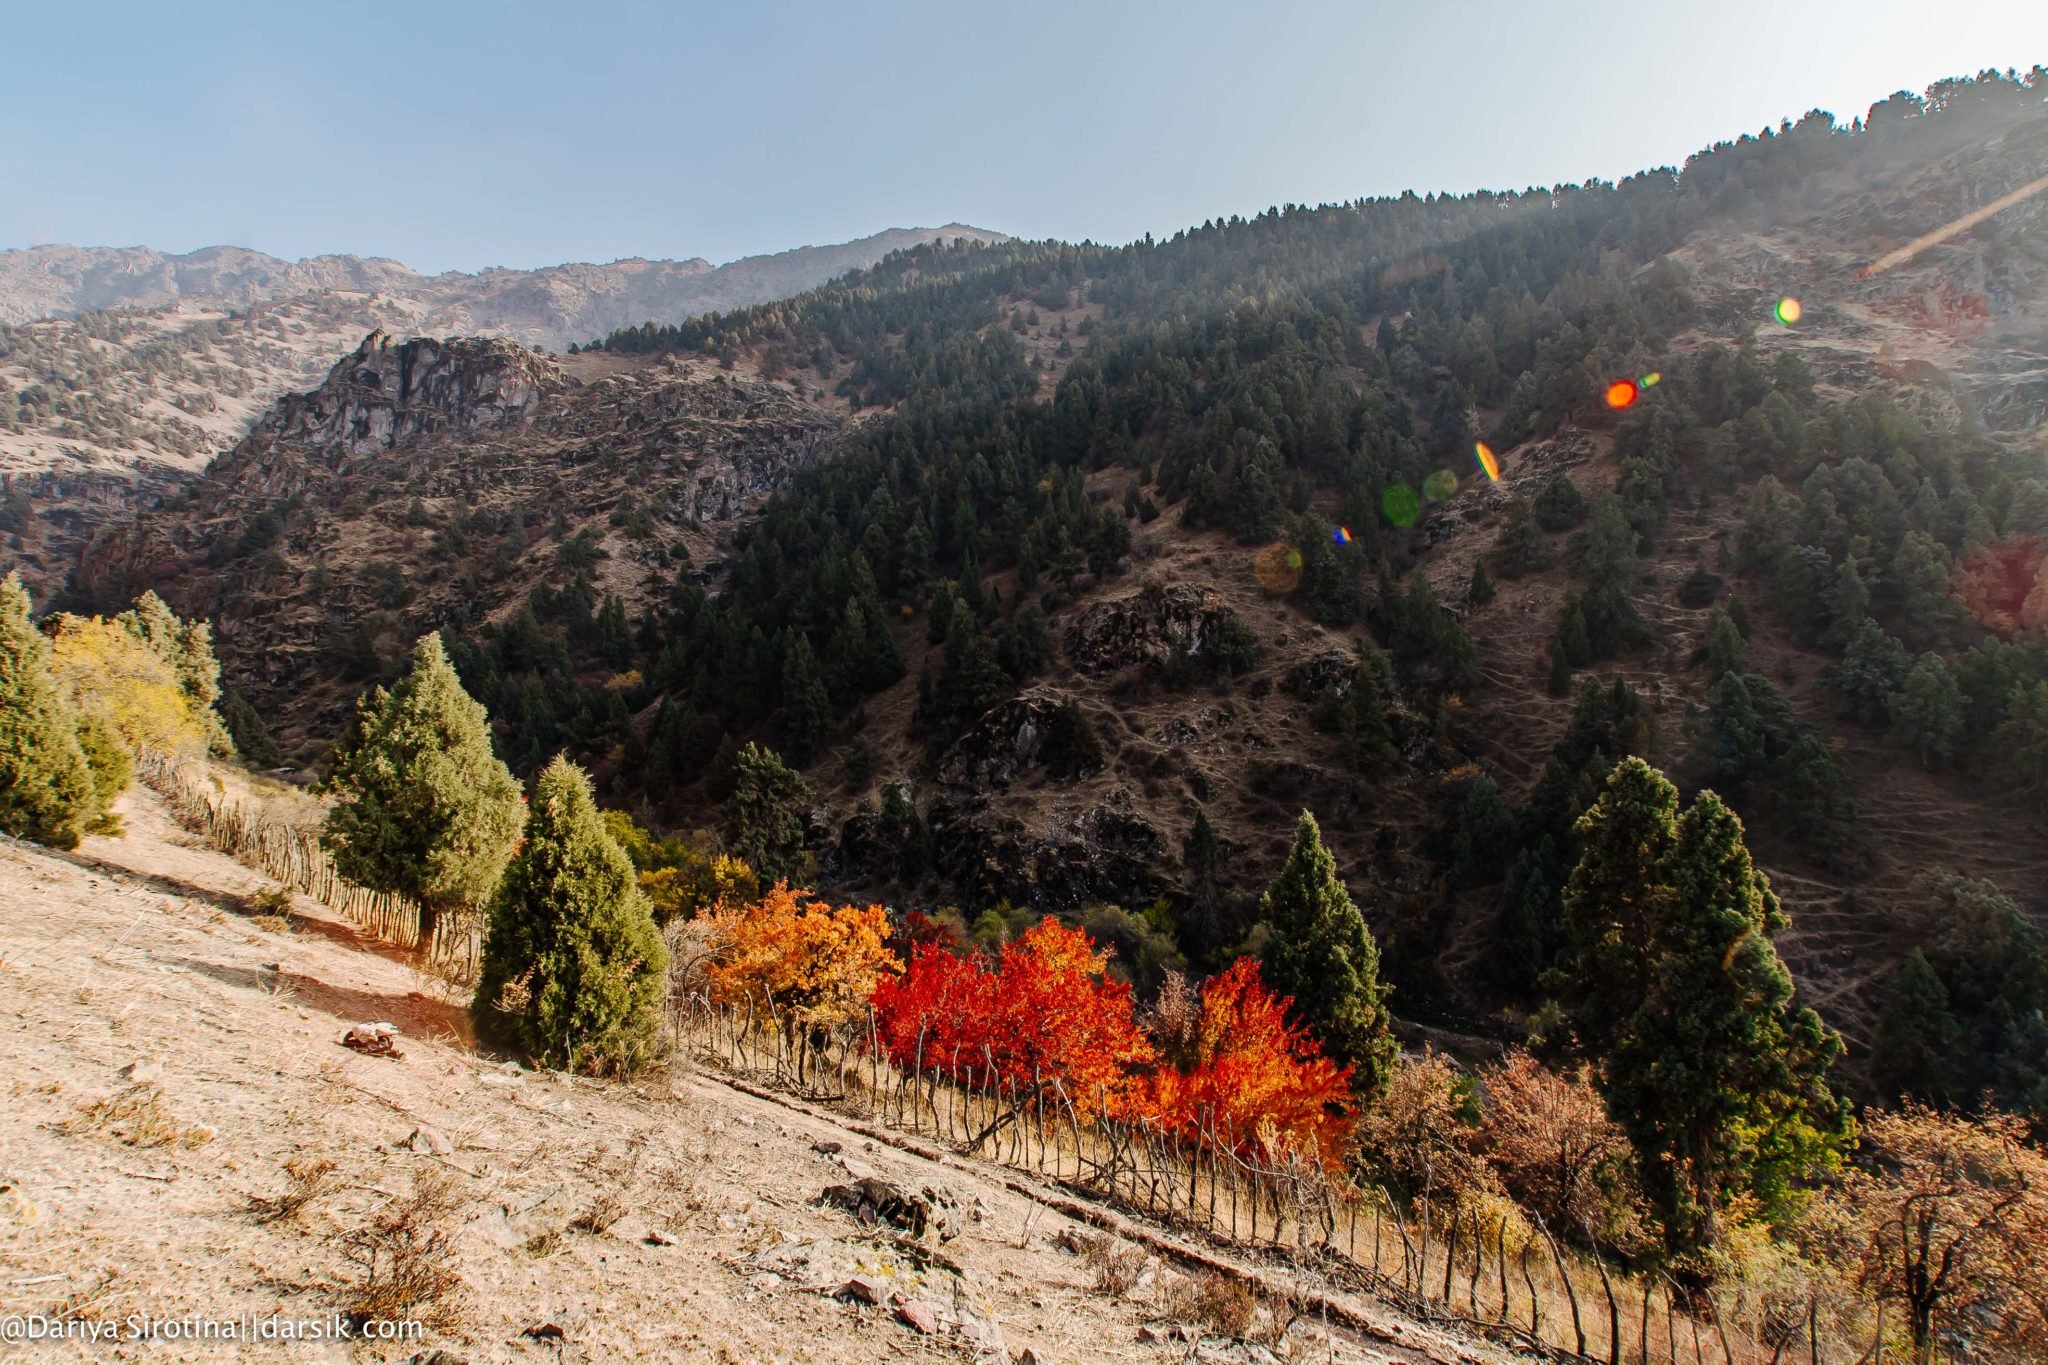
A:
1948	1218
1041	1019
1254	1081
1557	1152
787	952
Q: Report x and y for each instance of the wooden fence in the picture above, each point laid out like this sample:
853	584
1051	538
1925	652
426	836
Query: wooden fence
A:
292	854
1469	1262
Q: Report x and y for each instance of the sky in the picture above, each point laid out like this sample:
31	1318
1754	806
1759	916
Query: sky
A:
454	135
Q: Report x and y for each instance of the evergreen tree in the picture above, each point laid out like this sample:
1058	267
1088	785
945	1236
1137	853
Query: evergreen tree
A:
1927	711
1671	978
47	790
1560	506
1571	642
1723	649
2020	743
187	646
1559	683
1916	1036
1520	546
1480	591
765	813
424	808
1322	954
1481	836
573	968
1874	666
805	722
1201	856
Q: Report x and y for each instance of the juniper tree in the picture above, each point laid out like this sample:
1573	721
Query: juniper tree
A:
1927	711
424	807
1480	590
1670	977
765	813
573	967
1322	954
47	791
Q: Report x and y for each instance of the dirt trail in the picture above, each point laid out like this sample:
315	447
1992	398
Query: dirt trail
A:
136	950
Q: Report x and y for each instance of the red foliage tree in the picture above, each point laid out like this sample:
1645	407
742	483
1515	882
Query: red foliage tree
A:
1042	1019
1256	1082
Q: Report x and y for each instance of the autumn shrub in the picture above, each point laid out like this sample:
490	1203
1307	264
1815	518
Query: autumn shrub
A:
1041	1018
788	952
1253	1080
1550	1141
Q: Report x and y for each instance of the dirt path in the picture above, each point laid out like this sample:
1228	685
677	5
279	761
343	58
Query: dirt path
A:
136	950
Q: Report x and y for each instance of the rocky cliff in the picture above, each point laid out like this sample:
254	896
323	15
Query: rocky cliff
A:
431	481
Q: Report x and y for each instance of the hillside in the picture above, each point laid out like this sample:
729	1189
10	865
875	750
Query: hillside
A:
1029	565
123	371
702	1236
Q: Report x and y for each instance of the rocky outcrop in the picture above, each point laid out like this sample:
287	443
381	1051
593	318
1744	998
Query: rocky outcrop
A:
1038	728
1145	627
391	392
1103	853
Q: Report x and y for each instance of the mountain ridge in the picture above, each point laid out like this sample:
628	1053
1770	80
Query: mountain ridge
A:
63	280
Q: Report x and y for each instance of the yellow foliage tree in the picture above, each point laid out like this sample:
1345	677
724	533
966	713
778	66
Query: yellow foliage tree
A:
115	678
817	961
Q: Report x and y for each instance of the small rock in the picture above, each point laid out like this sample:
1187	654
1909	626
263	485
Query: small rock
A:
826	1148
920	1315
142	1071
858	1170
866	1288
428	1140
1027	1356
659	1238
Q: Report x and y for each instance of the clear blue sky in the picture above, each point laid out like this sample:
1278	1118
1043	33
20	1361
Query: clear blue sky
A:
457	136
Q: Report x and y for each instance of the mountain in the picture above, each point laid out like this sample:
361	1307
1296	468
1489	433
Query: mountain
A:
550	307
123	371
1029	554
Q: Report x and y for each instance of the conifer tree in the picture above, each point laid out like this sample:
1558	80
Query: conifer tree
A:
47	791
765	813
1927	711
425	808
1723	649
1873	667
1323	955
1559	684
573	968
805	722
1916	1033
1520	546
188	647
1671	977
1480	591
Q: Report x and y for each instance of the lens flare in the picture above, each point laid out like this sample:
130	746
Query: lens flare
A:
1622	393
1652	379
1342	535
1787	311
1948	230
1484	454
1400	505
1440	485
1278	568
